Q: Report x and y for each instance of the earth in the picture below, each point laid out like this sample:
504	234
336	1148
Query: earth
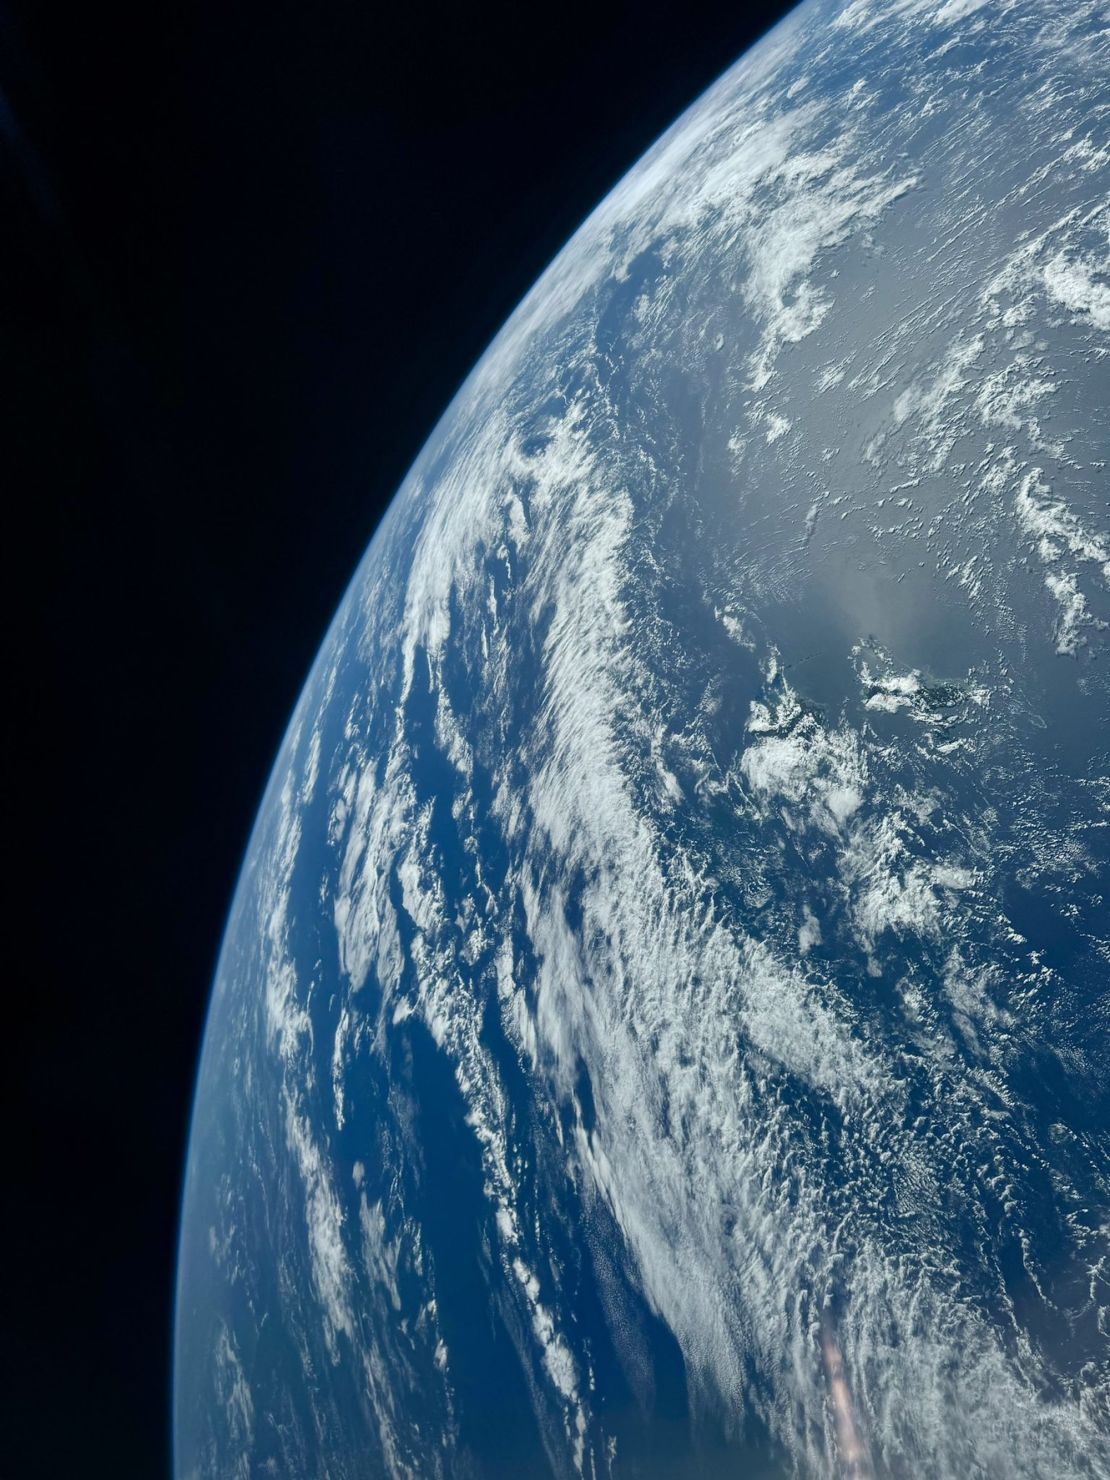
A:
662	1024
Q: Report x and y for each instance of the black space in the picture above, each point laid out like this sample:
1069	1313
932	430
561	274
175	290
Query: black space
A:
248	253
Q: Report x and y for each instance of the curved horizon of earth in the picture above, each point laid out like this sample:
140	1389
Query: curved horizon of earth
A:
662	1022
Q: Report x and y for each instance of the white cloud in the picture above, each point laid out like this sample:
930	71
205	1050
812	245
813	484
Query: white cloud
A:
1077	284
794	758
